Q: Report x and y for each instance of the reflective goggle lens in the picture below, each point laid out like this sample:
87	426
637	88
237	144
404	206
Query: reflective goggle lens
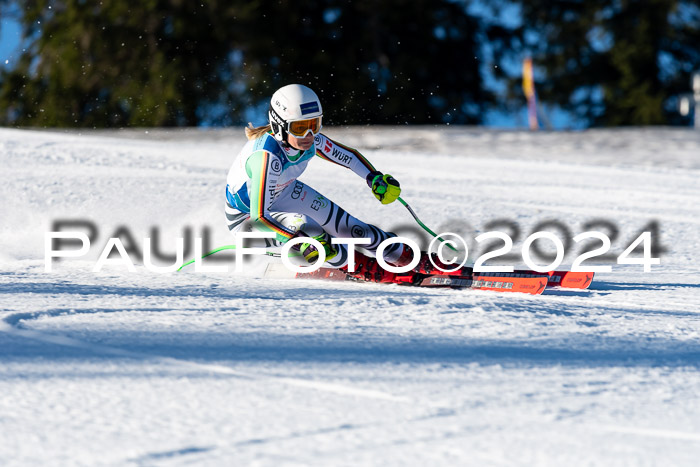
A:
301	127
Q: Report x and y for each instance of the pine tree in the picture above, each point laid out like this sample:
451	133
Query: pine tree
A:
193	62
614	63
115	63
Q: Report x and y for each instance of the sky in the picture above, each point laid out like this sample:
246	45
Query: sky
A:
10	37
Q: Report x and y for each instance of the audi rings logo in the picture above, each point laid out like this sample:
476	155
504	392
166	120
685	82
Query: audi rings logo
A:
296	191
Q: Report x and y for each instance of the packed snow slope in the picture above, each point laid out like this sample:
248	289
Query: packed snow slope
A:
212	368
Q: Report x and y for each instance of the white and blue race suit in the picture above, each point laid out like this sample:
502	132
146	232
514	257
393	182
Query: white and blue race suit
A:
263	194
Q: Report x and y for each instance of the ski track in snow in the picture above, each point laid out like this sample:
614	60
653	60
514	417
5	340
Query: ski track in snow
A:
119	368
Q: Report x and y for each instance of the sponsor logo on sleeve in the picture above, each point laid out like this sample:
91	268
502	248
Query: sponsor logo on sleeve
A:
340	157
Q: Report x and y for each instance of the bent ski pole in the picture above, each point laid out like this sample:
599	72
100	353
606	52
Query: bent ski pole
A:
228	247
425	227
225	247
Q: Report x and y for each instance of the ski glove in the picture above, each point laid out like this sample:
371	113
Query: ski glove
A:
309	250
385	187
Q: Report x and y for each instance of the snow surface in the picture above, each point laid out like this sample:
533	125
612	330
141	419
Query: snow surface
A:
120	368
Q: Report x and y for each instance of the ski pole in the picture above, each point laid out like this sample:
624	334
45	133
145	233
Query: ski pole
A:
225	247
425	227
229	247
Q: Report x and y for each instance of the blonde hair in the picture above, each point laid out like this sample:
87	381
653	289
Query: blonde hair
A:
252	132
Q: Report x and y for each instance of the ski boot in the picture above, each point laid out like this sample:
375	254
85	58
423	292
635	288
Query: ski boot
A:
430	265
368	269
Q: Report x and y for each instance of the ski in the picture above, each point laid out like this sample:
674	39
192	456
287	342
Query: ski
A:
533	284
497	282
564	279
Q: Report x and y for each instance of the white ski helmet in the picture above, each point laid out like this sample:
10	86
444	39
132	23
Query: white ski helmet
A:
294	103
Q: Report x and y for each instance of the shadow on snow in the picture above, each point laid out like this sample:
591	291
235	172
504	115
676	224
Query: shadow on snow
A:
348	345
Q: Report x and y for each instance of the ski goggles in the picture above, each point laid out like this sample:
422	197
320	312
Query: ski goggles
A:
300	128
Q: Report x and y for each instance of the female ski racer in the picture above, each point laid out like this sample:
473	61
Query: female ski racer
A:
263	193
